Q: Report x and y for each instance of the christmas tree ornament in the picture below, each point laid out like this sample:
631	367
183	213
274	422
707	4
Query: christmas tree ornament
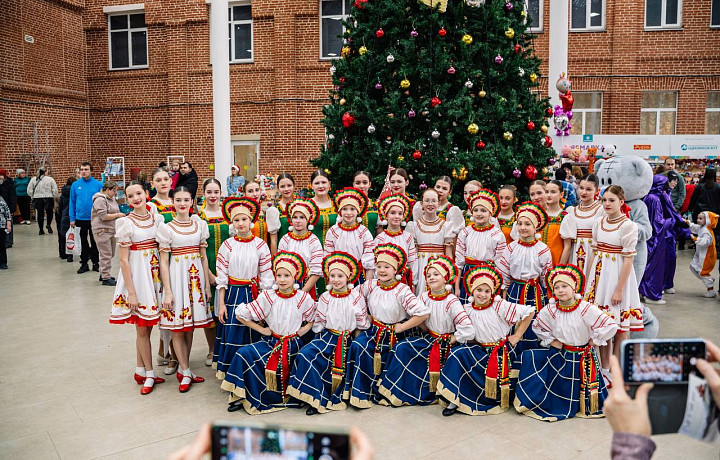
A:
480	145
440	4
451	70
517	173
502	99
391	115
509	6
510	33
360	4
327	171
462	173
343	101
531	172
521	72
330	137
435	134
543	128
414	33
405	83
401	158
411	113
362	50
371	129
343	79
332	70
468	84
417	154
473	128
499	59
435	102
549	112
507	135
467	39
548	141
380	33
348	120
378	86
482	93
530	125
544	170
345	52
533	77
390	58
475	3
517	48
442	32
551	161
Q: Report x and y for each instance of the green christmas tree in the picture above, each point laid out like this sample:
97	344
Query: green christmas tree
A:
443	87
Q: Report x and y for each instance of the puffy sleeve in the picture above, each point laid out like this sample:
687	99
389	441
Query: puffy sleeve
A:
412	305
464	330
123	231
316	256
151	207
628	238
568	226
503	266
272	217
602	326
417	211
222	263
412	256
545	259
460	248
514	233
368	258
543	326
321	313
454	222
330	238
164	237
204	231
362	319
257	310
512	312
265	265
307	306
500	245
411	228
595	229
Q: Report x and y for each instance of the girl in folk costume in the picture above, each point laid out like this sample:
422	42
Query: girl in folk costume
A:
563	380
259	373
138	291
613	286
219	230
506	216
319	370
481	241
370	219
243	264
559	246
303	216
349	235
537	193
477	379
577	225
398	183
431	237
162	203
452	215
705	256
471	187
268	223
320	182
184	272
286	186
415	365
394	310
394	212
524	264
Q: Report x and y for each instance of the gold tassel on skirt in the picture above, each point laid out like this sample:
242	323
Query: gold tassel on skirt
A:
271	380
377	363
490	387
505	396
336	381
583	395
434	379
594	401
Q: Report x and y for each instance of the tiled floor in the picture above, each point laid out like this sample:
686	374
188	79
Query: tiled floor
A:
66	389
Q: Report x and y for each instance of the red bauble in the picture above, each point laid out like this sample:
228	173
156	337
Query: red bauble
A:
480	145
359	4
549	112
435	101
442	32
530	125
517	48
417	154
348	120
343	79
548	141
380	33
531	172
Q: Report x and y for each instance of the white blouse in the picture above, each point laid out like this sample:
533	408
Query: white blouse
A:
284	316
244	260
448	316
483	245
523	262
454	219
392	305
494	322
272	219
620	233
576	327
345	313
134	229
308	247
176	234
579	221
358	242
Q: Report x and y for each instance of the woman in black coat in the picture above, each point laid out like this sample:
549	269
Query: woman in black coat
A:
7	191
62	218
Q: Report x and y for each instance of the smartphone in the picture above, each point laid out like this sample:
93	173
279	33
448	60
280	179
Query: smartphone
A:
250	441
660	361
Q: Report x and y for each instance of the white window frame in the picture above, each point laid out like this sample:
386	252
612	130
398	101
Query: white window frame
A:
578	111
713	4
658	111
539	28
588	27
232	24
256	143
710	109
663	25
340	17
126	10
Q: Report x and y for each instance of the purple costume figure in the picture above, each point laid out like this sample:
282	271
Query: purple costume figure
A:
666	224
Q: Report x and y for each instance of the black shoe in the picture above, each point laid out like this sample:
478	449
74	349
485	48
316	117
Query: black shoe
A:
69	259
96	267
3	267
311	411
41	232
63	257
234	407
447	412
109	282
50	230
83	269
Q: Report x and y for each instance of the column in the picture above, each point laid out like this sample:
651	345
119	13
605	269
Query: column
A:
219	52
558	49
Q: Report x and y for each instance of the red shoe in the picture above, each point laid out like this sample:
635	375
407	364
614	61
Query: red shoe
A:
139	378
145	390
195	378
185	388
159	380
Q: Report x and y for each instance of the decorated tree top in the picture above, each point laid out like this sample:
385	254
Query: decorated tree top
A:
435	87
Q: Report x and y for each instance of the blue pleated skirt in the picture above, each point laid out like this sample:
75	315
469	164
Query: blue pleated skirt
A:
233	334
529	340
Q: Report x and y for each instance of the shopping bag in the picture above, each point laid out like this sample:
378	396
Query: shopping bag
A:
73	245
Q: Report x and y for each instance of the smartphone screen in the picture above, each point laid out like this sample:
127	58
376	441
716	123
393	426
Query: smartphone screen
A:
661	361
234	442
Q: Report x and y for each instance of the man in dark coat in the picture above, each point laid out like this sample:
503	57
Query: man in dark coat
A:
188	178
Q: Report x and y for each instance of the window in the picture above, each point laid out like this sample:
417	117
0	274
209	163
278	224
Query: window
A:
534	9
332	14
128	41
715	14
587	15
662	14
240	32
712	113
658	112
587	113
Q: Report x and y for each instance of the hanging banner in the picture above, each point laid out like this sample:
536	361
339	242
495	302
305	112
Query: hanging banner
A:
652	147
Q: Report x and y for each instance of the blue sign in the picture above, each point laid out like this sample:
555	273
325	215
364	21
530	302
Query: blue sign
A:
587	137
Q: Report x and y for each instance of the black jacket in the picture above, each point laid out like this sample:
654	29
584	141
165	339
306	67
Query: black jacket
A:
189	180
7	191
63	209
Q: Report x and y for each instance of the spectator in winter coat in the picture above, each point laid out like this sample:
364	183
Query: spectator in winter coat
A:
105	211
188	178
23	199
7	191
43	189
62	217
81	194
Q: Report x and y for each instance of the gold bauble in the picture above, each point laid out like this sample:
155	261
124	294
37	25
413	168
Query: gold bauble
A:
507	136
345	51
473	128
467	39
510	33
362	50
327	171
401	158
533	77
342	101
543	128
405	83
482	93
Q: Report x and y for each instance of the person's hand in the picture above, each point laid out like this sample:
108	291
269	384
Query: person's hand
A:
556	344
711	374
208	291
167	303
212	280
398	328
617	297
627	415
133	302
266	331
197	449
514	339
362	449
72	224
453	339
222	312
